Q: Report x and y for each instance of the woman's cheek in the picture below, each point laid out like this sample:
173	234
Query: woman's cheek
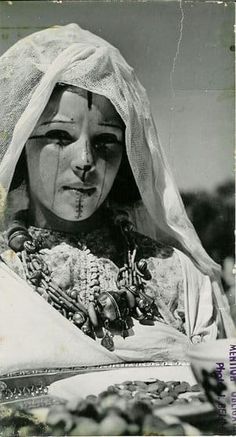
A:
49	169
107	174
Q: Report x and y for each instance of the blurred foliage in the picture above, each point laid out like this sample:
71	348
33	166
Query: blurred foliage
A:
212	215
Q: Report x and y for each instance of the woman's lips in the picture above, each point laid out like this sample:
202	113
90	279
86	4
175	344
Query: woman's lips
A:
86	191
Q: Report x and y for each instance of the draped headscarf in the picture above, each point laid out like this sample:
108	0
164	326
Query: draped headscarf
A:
29	71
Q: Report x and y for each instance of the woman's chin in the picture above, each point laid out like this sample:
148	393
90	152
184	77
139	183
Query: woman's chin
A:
74	212
73	216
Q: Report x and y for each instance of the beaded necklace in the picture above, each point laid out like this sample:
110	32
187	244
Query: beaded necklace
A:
98	313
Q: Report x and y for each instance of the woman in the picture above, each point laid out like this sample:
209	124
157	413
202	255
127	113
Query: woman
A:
80	140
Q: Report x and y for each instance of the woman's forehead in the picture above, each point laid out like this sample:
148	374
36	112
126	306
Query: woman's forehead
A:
69	102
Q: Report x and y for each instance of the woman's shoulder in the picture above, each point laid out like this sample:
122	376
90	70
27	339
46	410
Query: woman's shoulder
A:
149	248
167	281
162	253
170	267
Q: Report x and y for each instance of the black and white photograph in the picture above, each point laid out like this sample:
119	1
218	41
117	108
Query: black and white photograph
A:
117	198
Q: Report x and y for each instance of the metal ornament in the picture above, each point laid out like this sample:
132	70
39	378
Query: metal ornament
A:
98	313
107	340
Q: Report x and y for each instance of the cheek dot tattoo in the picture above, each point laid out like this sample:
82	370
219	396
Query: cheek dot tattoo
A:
89	99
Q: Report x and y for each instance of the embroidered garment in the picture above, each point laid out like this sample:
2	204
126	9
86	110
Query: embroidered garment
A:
173	331
66	255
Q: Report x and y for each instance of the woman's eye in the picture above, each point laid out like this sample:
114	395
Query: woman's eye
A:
106	144
60	137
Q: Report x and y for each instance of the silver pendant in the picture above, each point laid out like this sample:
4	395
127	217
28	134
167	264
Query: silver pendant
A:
107	341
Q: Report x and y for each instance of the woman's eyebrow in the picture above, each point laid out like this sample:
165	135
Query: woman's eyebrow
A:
57	121
110	124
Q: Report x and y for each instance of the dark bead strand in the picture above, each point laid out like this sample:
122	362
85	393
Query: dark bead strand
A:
85	290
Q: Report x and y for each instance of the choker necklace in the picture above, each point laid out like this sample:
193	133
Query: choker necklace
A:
98	313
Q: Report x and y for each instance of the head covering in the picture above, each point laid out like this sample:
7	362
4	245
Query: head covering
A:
29	71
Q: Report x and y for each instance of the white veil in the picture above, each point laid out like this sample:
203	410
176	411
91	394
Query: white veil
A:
28	73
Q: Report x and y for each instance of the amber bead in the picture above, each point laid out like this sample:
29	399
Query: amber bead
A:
16	241
78	319
142	265
73	294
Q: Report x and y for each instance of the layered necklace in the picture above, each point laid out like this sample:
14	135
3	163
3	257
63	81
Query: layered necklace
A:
98	312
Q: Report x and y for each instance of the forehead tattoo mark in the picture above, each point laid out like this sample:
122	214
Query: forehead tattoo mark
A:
90	99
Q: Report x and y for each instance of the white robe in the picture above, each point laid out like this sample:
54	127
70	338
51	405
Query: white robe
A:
34	335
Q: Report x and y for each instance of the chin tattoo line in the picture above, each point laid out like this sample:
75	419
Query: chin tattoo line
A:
79	207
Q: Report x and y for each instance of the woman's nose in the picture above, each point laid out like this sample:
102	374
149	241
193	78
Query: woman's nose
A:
82	161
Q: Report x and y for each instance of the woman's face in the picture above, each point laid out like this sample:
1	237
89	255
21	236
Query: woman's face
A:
74	153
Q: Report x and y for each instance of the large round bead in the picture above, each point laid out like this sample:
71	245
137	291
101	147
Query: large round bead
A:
16	241
142	265
73	294
141	303
78	318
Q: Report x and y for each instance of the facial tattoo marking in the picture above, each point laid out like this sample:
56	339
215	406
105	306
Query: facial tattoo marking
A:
79	205
56	176
68	178
79	196
103	183
90	99
87	160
